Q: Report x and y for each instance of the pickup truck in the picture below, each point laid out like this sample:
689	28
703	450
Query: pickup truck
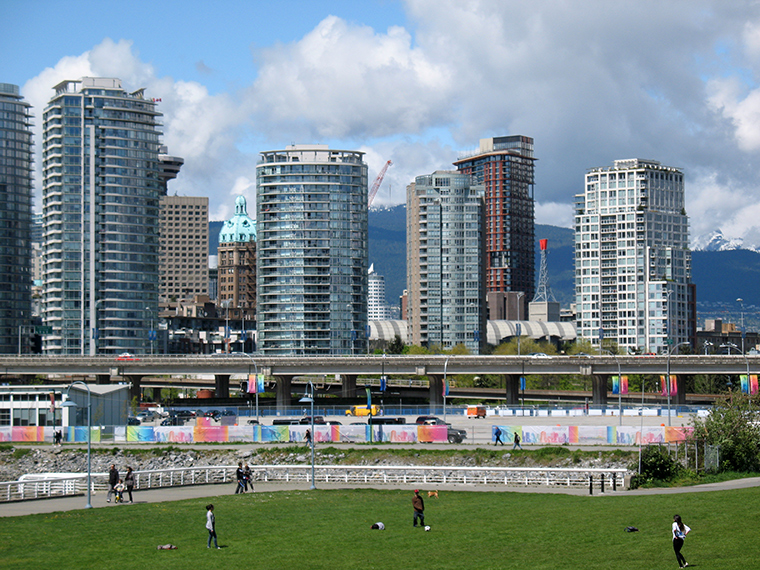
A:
454	435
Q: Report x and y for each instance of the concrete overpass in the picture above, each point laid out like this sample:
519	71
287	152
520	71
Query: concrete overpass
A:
435	367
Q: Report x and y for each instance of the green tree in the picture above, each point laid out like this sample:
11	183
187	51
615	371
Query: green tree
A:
733	425
396	346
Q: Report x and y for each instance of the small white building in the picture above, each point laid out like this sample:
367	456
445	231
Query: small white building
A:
40	405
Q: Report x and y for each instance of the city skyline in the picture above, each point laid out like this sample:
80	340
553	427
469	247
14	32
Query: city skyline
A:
590	82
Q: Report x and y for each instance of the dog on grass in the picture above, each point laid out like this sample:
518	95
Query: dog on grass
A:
432	494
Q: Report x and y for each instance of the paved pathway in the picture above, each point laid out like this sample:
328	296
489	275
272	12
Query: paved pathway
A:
206	492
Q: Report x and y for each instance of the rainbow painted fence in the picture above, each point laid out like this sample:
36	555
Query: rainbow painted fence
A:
204	433
592	435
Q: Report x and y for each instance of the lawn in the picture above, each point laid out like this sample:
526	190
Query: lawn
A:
330	530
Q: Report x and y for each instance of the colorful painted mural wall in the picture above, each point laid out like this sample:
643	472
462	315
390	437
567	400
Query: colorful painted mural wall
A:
400	433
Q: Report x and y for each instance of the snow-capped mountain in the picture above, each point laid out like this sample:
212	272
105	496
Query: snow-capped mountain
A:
716	241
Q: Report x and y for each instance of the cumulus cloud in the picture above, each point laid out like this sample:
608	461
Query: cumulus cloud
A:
347	81
201	128
590	81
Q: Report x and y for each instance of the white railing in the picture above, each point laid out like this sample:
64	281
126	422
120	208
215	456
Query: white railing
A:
52	487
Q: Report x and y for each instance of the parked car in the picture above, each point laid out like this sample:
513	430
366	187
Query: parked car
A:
228	413
184	414
429	420
307	420
253	422
363	410
454	435
213	414
146	416
382	420
133	421
173	421
284	422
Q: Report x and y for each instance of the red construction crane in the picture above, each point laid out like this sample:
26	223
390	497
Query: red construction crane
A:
376	184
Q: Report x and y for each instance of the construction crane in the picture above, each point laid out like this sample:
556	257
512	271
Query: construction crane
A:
376	184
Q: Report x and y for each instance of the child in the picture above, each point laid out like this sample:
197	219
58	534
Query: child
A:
119	488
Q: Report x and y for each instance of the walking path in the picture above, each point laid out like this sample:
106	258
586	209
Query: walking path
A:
205	492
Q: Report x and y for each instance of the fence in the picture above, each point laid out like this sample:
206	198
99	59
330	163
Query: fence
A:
52	486
696	455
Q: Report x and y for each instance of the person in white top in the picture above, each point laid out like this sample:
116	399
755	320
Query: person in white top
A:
680	531
211	525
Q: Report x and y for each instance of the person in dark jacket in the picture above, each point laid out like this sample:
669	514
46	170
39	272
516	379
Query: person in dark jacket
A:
113	480
419	508
240	487
129	482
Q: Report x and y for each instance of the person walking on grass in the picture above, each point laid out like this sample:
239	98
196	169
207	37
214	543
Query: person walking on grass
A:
129	482
419	508
680	531
113	480
211	526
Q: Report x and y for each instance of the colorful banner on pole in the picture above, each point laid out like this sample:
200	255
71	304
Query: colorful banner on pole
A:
749	385
620	385
445	387
673	385
255	383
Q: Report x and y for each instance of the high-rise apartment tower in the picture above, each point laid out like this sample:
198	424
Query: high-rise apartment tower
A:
445	288
15	220
311	225
632	260
504	166
100	194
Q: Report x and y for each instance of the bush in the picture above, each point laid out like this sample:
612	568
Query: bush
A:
656	466
732	425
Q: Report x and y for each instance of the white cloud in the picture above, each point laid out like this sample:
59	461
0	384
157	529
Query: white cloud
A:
590	81
201	128
554	214
346	81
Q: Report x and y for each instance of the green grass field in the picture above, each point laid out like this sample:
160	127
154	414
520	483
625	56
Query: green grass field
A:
330	530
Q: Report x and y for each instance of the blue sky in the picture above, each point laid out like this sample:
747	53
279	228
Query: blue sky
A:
419	81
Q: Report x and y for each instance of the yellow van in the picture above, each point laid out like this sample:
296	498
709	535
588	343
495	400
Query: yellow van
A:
363	411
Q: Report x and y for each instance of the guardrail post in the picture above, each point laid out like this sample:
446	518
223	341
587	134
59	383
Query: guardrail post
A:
614	481
590	484
601	484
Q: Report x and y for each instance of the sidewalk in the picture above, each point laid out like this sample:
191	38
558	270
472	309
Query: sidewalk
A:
42	506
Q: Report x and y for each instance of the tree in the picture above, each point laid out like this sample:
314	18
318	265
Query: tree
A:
732	424
396	346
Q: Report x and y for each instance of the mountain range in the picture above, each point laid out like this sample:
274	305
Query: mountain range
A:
722	270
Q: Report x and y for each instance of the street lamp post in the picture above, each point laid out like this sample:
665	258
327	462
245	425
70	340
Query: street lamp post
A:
445	368
707	345
309	399
256	380
226	304
667	376
69	404
620	385
151	332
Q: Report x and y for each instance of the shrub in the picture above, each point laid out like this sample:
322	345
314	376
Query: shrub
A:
656	465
